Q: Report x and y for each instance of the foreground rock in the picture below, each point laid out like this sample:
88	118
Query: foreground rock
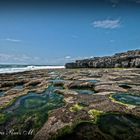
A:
124	60
72	104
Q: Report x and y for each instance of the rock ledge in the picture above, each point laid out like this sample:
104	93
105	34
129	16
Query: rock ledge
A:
127	59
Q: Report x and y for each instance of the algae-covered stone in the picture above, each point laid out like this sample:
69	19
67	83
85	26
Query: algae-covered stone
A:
95	114
76	107
2	118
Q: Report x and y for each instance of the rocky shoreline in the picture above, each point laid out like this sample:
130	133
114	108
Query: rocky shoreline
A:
67	103
127	59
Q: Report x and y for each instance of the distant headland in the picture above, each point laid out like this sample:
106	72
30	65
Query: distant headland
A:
127	59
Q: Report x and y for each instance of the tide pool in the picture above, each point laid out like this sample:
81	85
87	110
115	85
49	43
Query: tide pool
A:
127	98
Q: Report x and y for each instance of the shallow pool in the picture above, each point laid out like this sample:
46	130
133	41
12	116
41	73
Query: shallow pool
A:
84	91
127	98
93	81
1	94
31	111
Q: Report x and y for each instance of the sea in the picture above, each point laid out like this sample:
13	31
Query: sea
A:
13	68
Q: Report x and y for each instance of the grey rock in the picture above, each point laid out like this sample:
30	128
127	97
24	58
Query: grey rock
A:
127	59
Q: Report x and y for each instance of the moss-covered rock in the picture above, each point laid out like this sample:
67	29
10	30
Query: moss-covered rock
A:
2	118
95	114
76	107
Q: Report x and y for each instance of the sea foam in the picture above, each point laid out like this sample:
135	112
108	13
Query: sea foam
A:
27	68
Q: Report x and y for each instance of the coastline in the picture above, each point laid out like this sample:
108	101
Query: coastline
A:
71	95
13	69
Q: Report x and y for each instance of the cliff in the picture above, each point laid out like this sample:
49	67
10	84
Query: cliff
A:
127	59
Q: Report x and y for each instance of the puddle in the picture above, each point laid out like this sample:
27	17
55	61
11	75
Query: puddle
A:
127	98
31	108
1	94
125	86
55	81
18	87
84	91
93	81
34	101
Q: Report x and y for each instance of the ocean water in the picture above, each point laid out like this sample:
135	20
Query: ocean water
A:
21	68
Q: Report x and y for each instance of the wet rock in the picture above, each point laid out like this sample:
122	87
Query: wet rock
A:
33	83
65	92
113	88
81	85
7	84
108	83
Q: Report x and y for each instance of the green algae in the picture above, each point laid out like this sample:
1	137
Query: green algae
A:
76	108
2	118
95	114
110	125
30	111
8	104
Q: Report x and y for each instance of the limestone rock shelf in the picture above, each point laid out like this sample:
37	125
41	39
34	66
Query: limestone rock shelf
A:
74	101
120	60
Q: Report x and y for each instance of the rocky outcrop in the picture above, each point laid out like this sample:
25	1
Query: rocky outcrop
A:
127	59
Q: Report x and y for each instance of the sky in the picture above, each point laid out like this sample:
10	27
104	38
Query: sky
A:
57	32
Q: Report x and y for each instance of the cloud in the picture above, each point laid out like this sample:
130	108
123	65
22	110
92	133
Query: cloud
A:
91	57
107	24
67	57
5	57
17	58
11	57
12	40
